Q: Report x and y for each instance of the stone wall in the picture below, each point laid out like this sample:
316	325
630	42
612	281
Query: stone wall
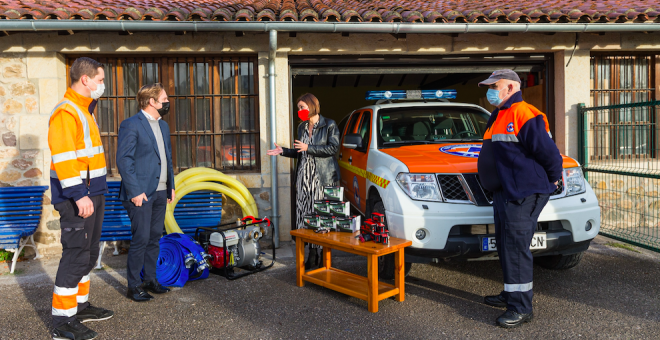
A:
19	166
24	141
628	204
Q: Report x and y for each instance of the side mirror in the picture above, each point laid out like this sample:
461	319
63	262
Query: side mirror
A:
352	141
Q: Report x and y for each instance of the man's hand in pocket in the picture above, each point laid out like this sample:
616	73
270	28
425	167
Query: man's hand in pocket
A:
139	199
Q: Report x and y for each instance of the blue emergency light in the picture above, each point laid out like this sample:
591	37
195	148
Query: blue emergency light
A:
411	94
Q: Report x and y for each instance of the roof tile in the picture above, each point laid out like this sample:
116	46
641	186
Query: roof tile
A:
414	11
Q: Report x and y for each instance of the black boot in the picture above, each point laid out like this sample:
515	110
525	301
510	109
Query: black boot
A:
511	319
495	300
312	258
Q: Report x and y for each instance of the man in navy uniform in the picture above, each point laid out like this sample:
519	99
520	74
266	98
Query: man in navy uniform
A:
521	165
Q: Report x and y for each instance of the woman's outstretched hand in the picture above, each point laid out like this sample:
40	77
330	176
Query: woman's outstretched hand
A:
274	152
300	146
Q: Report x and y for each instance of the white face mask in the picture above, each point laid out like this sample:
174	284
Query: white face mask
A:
96	94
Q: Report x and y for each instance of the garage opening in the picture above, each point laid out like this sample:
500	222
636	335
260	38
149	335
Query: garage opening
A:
340	82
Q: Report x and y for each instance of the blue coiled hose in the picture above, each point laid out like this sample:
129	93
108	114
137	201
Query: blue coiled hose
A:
181	259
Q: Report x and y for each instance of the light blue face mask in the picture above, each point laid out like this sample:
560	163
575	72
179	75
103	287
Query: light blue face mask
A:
493	97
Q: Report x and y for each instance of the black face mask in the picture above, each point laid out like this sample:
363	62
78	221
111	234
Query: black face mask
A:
165	109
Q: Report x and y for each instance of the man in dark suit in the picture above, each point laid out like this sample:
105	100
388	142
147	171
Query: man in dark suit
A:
144	159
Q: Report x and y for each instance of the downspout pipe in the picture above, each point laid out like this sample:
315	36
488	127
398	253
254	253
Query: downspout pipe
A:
314	27
272	116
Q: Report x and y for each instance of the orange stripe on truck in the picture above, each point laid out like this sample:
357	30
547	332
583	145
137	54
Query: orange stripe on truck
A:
379	181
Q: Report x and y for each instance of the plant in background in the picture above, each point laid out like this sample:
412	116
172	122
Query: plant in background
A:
6	256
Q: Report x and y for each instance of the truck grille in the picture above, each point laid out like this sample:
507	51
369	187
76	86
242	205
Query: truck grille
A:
453	191
452	188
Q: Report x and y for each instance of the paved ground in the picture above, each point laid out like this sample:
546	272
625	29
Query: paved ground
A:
612	294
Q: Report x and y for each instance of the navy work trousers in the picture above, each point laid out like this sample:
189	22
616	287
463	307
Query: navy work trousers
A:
147	224
80	249
515	224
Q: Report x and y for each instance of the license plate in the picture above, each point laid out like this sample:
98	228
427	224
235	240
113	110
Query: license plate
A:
538	242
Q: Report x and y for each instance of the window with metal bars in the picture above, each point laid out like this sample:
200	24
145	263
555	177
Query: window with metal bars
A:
623	78
213	108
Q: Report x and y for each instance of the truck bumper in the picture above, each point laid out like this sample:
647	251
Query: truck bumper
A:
573	213
558	242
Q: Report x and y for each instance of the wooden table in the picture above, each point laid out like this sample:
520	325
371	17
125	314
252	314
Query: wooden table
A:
365	288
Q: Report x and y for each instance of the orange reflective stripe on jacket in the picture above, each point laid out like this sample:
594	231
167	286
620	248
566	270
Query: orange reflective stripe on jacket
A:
75	142
509	122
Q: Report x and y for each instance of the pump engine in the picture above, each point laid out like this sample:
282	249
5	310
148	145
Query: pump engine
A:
240	249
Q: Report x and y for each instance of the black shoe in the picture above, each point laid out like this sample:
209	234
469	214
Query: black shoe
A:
155	287
495	301
92	313
138	294
73	330
320	260
312	259
511	319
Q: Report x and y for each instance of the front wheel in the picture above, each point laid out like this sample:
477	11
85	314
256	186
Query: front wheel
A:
559	262
386	266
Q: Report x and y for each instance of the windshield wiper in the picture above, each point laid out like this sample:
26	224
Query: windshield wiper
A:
464	140
408	142
399	142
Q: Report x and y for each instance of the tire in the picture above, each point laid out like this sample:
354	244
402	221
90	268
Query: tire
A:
386	263
559	262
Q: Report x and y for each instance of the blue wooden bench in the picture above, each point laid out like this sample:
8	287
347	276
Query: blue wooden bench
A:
20	213
197	209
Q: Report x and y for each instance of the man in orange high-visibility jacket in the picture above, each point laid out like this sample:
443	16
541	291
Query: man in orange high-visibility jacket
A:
520	164
77	178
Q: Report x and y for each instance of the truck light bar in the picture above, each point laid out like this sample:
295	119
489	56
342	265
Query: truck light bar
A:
411	94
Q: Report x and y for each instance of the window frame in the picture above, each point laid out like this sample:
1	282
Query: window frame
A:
365	118
215	130
609	142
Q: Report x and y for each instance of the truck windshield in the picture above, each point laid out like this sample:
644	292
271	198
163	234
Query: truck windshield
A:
423	125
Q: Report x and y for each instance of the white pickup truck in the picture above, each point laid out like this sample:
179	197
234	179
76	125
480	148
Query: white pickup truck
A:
416	162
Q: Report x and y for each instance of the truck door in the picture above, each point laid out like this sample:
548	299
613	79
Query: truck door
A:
345	155
358	159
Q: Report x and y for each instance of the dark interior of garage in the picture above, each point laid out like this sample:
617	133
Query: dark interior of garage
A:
340	84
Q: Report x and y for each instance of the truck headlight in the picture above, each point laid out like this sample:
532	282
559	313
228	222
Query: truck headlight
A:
574	181
423	187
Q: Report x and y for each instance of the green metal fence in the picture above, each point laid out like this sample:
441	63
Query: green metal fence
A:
619	148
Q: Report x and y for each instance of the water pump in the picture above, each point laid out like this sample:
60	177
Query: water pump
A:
235	247
240	248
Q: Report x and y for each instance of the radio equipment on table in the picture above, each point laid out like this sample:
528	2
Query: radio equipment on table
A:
332	213
374	229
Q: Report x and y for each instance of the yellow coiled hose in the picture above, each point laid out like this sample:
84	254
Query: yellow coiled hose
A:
196	179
